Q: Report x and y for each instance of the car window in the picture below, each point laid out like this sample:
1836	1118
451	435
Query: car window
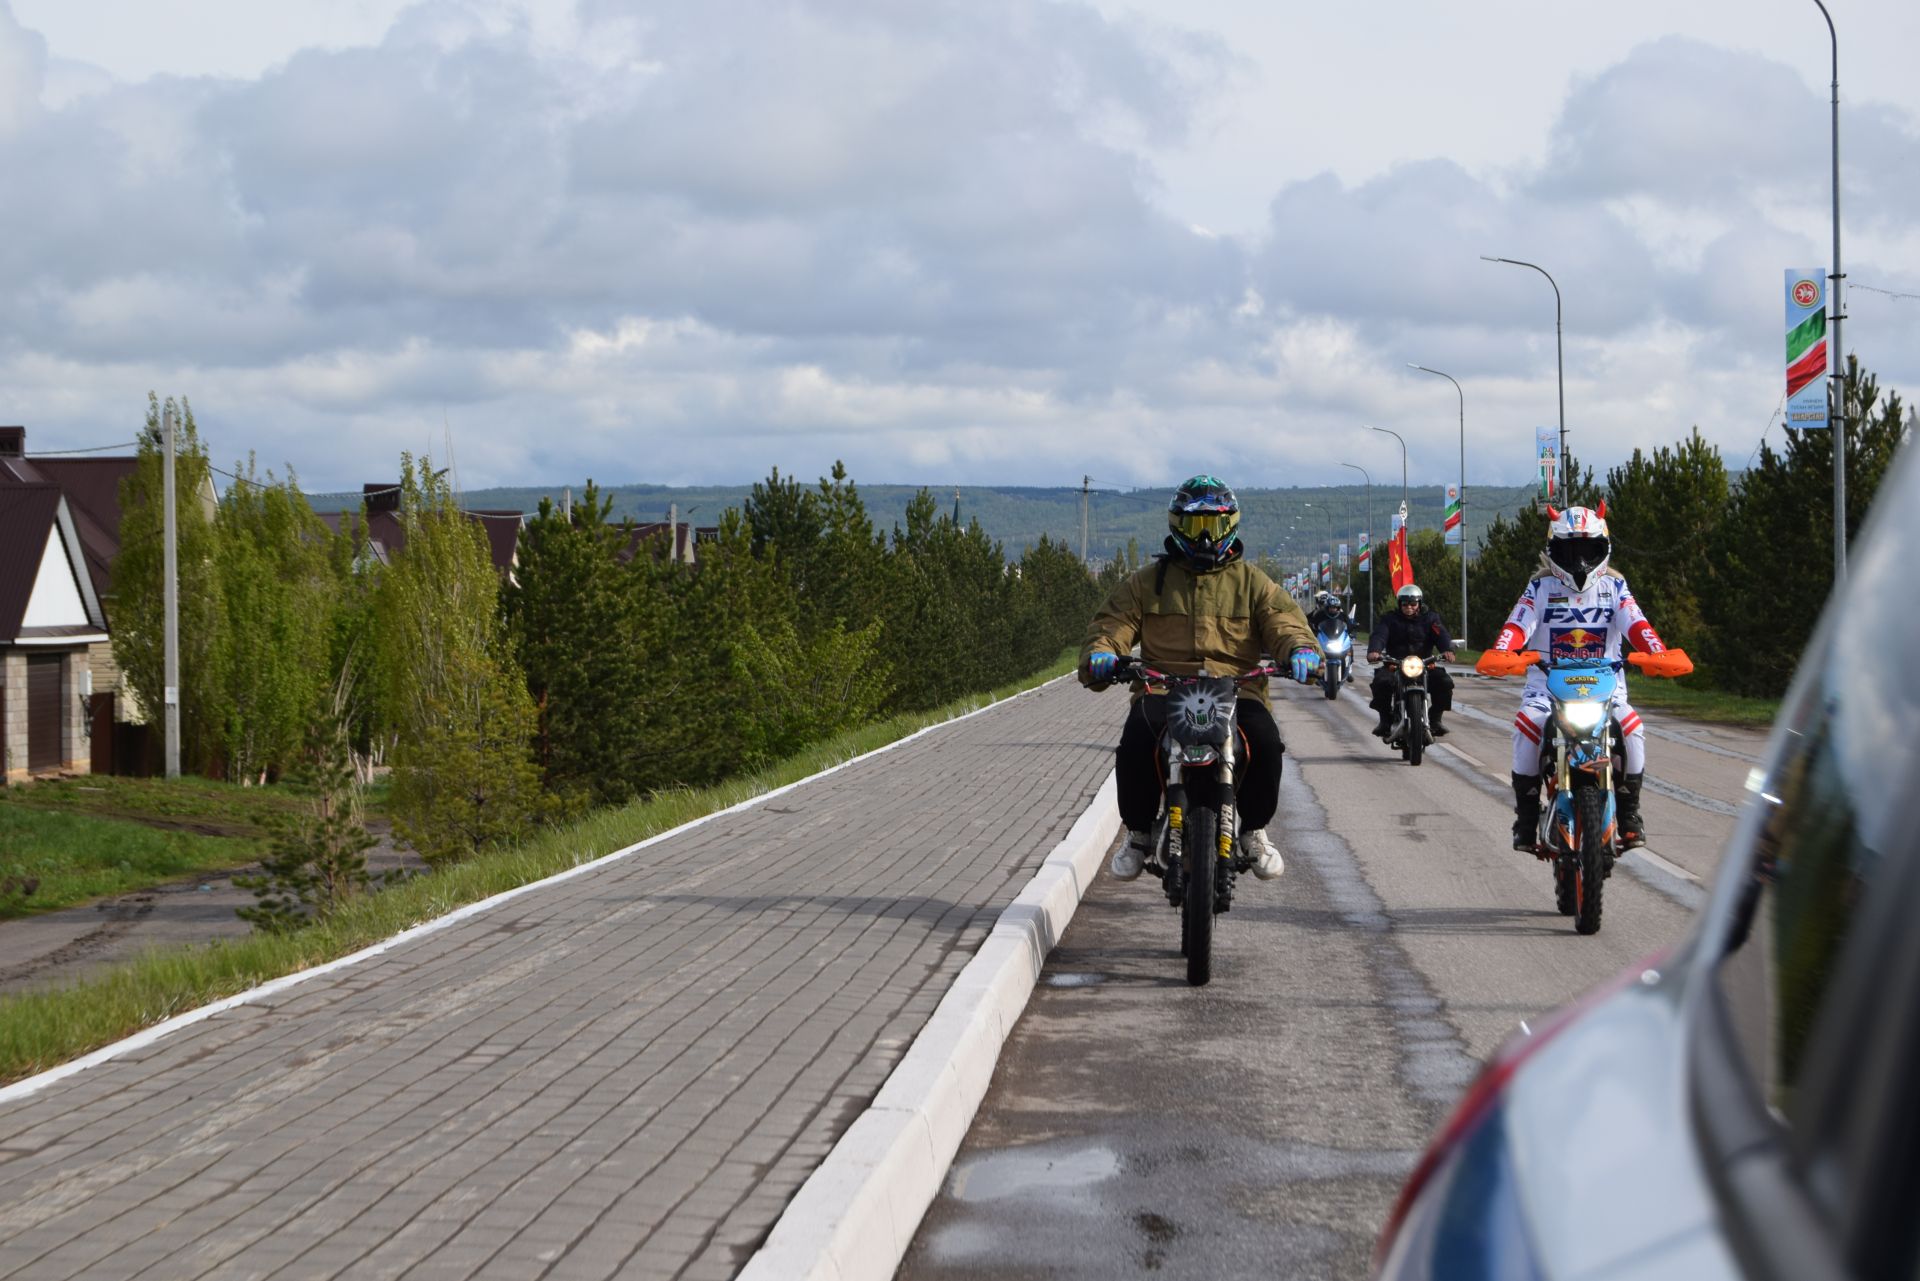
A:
1836	811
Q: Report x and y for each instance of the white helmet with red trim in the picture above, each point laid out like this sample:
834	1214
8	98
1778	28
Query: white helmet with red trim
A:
1578	545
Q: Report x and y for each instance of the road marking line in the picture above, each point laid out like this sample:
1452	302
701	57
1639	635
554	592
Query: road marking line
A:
1477	764
1671	869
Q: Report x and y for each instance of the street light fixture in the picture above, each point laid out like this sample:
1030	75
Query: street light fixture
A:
1559	356
1463	491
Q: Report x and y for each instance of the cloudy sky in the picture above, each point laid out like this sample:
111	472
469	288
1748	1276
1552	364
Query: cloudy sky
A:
975	241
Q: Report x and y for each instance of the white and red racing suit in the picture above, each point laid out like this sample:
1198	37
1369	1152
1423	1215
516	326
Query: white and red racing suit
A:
1562	623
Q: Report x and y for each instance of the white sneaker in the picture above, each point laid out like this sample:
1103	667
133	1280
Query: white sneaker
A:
1267	862
1130	858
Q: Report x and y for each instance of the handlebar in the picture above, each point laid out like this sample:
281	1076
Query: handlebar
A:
1131	668
1495	662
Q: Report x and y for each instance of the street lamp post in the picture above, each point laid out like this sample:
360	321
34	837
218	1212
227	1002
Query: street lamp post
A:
1403	462
1364	472
1333	542
1559	356
1463	491
1837	354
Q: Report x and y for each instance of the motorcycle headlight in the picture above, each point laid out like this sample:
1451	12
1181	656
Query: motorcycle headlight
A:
1411	667
1581	718
1337	645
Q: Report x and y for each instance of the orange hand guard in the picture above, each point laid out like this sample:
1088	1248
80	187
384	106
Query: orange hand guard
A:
1672	662
1499	662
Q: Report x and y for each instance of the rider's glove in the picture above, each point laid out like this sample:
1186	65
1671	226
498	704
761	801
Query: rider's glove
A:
1304	660
1100	666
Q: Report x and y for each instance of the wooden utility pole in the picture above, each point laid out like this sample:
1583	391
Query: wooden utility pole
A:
171	592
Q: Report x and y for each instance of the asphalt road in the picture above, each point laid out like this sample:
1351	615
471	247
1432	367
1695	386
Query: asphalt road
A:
1261	1126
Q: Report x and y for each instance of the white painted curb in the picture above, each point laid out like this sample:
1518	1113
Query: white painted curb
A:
855	1216
140	1040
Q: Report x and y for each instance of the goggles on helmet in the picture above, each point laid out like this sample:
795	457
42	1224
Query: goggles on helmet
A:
1204	526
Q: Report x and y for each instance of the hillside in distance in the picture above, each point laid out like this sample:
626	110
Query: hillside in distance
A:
1289	523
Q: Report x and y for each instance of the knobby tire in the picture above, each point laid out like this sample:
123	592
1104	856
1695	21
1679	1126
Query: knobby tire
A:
1590	810
1201	854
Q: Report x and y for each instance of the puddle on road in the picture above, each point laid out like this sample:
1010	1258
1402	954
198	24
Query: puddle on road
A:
1054	1173
1074	980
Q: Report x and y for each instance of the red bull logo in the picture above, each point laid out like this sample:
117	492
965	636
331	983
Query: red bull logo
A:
1579	643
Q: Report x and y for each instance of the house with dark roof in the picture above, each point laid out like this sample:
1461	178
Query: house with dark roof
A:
386	535
91	486
49	617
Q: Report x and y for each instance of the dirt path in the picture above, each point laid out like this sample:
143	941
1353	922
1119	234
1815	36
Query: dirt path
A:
59	948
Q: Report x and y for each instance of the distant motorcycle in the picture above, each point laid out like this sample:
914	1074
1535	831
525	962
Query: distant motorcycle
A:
1411	733
1336	644
1196	852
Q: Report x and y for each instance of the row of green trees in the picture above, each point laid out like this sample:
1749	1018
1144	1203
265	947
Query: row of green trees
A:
799	620
603	668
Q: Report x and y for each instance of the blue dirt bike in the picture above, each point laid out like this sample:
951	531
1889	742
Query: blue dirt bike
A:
1580	757
1579	760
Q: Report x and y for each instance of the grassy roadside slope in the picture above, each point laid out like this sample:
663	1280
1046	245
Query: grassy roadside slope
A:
39	1030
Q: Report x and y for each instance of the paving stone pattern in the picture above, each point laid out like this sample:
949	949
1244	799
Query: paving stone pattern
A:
629	1073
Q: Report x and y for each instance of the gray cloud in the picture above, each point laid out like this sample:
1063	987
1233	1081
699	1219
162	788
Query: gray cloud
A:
707	236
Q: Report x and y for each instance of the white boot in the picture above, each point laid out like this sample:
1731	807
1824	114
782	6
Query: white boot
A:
1267	862
1130	857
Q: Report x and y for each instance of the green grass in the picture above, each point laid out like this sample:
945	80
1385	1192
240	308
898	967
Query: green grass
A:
41	1029
1684	698
203	805
74	858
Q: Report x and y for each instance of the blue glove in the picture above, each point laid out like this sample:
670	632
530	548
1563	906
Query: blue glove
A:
1100	666
1304	662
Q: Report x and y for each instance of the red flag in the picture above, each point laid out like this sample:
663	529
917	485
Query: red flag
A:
1398	561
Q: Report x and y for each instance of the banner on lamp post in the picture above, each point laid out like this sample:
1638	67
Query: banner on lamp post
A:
1326	569
1807	348
1365	563
1546	450
1451	495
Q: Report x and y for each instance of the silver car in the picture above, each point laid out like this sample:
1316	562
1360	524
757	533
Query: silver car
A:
1748	1106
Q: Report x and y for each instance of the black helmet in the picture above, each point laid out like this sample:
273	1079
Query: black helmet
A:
1204	523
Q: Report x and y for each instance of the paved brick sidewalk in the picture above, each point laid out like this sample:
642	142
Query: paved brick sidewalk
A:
630	1072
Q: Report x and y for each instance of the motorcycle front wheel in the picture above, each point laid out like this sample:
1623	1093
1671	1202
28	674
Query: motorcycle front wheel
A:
1416	728
1200	851
1330	678
1590	812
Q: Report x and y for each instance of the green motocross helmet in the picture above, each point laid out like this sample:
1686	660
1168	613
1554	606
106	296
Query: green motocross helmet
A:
1203	521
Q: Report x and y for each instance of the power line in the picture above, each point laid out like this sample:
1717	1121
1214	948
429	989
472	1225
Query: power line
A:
91	449
1888	292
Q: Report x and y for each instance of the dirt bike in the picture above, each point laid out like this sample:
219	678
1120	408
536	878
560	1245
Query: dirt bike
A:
1196	852
1579	760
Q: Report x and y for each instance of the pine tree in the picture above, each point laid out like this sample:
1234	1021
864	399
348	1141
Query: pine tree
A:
1773	554
1664	511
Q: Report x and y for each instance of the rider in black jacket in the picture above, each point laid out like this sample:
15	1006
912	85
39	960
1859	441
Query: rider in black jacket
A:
1411	628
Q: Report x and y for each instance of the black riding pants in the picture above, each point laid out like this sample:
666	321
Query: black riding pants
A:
1256	763
1439	689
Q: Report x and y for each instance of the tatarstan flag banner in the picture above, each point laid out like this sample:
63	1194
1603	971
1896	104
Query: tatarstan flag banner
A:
1451	494
1366	555
1397	560
1806	348
1326	568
